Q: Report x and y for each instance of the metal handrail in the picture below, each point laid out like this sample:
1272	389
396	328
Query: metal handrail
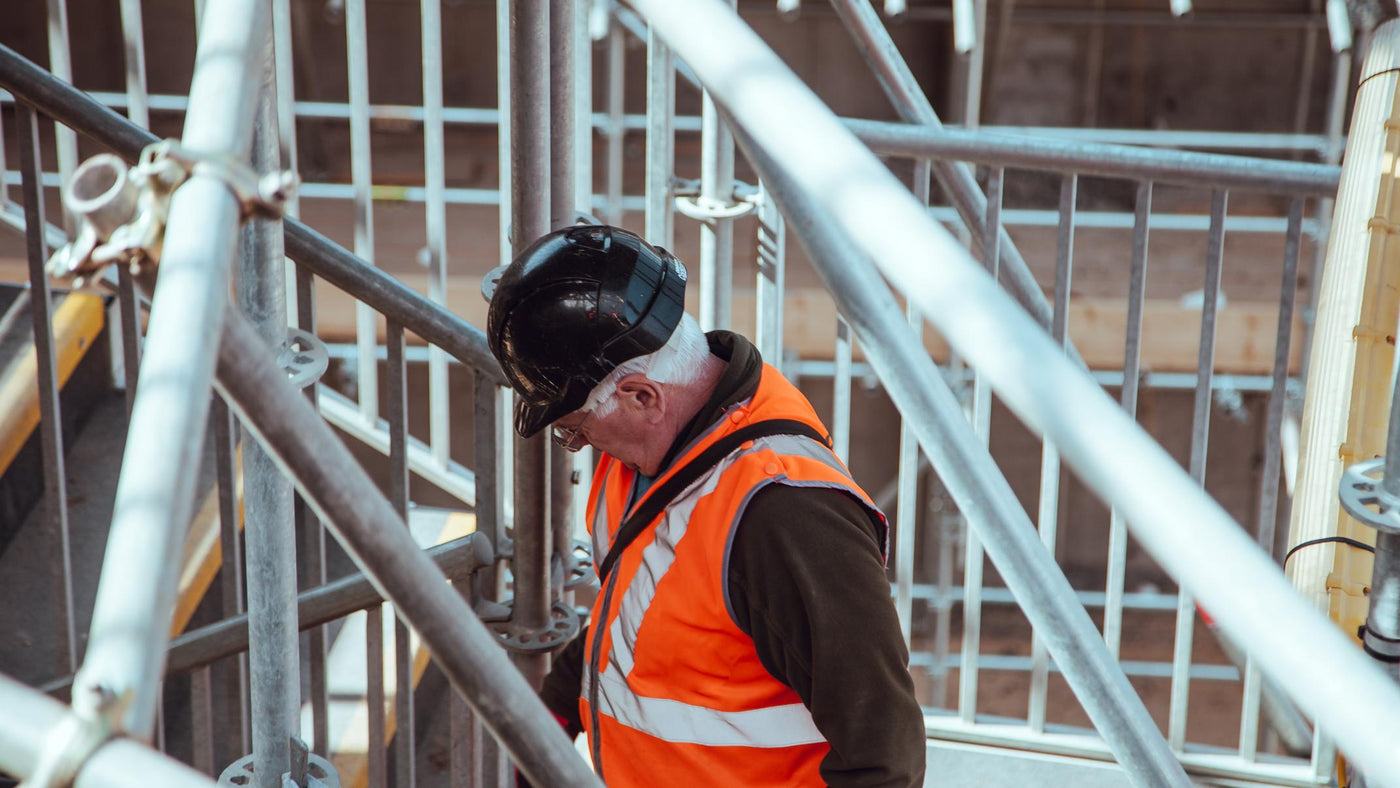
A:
1096	158
320	255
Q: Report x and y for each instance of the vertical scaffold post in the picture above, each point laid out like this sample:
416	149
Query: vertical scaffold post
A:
530	209
269	532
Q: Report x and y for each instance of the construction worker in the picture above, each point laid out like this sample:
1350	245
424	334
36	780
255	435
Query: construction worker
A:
743	633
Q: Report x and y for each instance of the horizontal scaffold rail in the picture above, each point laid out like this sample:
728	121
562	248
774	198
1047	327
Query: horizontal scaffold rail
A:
396	301
1186	168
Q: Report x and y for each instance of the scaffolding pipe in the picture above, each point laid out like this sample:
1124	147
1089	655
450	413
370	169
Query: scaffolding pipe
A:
717	234
368	527
563	211
966	468
913	106
31	718
1187	532
530	180
1186	168
120	679
269	538
658	218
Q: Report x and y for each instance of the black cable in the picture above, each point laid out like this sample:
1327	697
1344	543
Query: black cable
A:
1340	539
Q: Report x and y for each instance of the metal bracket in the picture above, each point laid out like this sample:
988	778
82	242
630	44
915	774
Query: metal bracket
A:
304	358
124	211
582	572
563	626
1363	497
744	199
308	770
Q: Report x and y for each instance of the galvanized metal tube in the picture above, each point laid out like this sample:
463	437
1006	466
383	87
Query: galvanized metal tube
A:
362	178
488	584
563	206
717	235
435	213
564	209
1292	729
318	254
155	495
841	394
1186	168
913	106
617	60
957	452
530	218
907	480
1048	513
661	152
55	502
376	745
981	416
581	77
504	140
61	64
269	532
235	695
771	285
391	298
1200	441
128	309
396	400
1128	396
30	719
1383	613
135	50
371	530
198	648
202	720
1268	486
4	184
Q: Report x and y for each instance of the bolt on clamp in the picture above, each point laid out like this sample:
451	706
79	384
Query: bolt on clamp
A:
124	210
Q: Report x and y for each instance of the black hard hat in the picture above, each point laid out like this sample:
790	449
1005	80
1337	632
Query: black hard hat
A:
572	307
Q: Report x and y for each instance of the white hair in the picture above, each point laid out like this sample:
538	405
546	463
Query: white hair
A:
679	361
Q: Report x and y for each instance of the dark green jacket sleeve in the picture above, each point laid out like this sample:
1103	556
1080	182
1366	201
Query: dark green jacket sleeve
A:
808	584
564	684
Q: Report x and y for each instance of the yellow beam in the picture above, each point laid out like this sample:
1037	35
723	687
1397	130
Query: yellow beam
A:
76	324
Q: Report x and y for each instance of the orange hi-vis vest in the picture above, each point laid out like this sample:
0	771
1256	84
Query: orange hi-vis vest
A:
673	691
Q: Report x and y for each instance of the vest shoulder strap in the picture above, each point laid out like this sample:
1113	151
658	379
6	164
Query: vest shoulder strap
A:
662	496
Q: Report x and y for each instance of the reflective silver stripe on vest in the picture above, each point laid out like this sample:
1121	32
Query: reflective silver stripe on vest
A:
673	721
658	556
657	559
601	540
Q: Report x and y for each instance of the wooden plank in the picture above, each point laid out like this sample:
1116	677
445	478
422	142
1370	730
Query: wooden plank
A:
76	324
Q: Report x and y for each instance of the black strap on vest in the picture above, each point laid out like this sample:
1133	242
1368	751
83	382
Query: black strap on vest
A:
662	496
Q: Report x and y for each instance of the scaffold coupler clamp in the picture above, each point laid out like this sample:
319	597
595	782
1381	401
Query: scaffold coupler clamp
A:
79	734
123	211
743	200
304	358
1364	497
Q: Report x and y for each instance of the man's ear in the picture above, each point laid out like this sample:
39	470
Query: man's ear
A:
643	394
